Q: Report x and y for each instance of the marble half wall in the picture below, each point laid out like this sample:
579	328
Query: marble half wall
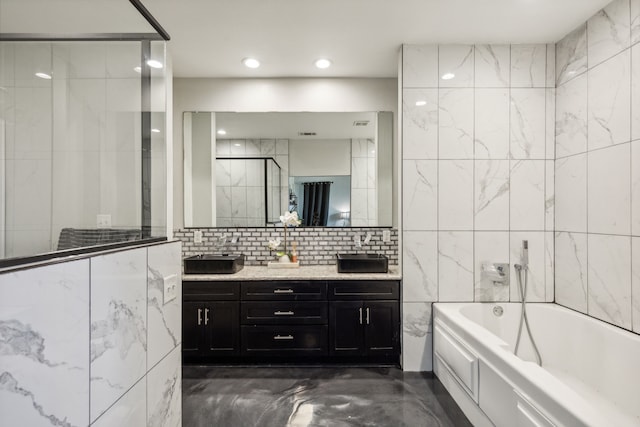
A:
92	341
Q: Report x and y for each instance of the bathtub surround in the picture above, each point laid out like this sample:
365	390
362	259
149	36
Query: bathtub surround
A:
597	164
316	245
478	177
91	341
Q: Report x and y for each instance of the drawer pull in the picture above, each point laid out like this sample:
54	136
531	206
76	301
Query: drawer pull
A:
283	313
283	291
283	337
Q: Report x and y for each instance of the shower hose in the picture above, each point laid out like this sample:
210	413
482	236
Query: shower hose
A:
520	271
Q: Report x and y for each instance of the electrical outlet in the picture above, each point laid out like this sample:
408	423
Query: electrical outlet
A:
170	288
103	220
386	236
197	236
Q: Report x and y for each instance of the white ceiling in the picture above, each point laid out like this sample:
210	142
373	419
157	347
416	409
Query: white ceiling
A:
361	37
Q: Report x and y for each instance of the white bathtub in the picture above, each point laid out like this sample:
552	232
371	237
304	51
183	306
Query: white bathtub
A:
590	374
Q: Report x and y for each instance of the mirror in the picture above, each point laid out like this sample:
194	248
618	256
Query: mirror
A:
246	169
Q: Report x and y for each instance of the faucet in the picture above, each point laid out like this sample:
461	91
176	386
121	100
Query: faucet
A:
357	241
222	242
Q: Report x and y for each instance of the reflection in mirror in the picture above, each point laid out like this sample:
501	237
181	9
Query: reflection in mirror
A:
245	169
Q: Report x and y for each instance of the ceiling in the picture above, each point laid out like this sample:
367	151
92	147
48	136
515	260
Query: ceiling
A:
361	37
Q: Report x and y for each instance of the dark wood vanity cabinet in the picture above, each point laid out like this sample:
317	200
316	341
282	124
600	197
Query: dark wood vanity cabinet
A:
364	319
289	321
210	328
281	319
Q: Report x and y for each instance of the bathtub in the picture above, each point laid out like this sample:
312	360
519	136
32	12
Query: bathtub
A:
590	374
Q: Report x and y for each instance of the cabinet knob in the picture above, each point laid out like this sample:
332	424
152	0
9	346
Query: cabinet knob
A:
283	337
283	313
283	291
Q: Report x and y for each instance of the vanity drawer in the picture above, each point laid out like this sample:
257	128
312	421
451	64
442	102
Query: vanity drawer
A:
284	340
284	291
364	289
284	313
213	290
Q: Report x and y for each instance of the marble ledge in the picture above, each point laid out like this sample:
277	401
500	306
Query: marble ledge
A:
311	272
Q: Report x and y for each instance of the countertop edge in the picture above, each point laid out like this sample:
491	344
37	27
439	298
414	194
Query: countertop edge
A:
329	272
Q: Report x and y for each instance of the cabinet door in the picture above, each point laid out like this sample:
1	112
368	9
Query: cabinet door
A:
192	327
382	327
346	331
222	328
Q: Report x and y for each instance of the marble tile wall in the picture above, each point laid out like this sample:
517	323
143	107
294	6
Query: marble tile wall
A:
478	177
364	205
598	158
240	184
91	342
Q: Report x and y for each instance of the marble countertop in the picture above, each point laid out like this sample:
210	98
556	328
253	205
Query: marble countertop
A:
310	272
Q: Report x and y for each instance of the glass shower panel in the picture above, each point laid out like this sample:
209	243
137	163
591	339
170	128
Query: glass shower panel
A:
26	106
71	144
96	182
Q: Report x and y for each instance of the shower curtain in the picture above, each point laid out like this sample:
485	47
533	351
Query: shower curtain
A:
316	203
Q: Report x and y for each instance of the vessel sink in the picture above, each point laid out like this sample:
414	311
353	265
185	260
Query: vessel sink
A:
362	263
214	264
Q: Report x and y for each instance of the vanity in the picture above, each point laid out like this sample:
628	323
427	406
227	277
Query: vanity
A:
311	315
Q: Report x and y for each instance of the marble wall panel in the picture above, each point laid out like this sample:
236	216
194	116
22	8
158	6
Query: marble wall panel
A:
44	362
571	55
609	105
571	270
164	391
420	266
455	266
164	317
528	65
420	194
609	276
608	183
456	65
608	32
455	134
492	66
118	325
417	337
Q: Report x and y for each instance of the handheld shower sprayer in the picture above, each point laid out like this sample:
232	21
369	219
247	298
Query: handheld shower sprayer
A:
521	276
525	254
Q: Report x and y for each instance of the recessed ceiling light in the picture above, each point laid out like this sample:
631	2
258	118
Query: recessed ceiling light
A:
154	64
154	130
323	63
44	76
237	145
137	69
421	103
448	76
251	62
222	132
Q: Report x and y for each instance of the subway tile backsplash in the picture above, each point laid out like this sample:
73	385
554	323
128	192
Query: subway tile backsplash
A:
315	245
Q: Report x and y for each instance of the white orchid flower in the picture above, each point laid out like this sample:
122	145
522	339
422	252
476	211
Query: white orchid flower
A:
273	244
290	219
